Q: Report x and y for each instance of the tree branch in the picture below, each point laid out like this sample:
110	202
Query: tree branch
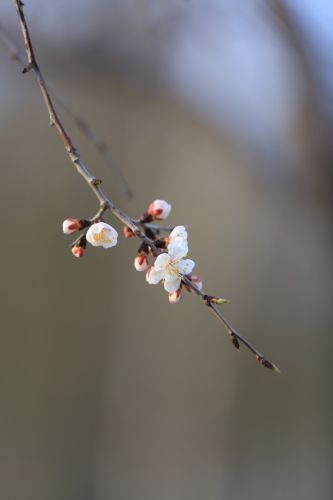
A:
136	226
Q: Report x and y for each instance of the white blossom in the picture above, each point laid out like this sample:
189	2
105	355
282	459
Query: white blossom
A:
170	266
102	234
159	209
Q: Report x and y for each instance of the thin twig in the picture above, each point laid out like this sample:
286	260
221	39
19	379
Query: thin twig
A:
79	121
155	227
104	201
229	328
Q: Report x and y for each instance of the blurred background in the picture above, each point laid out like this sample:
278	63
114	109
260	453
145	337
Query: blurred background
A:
223	108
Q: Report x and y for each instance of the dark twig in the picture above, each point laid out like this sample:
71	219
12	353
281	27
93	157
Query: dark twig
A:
137	227
155	227
236	337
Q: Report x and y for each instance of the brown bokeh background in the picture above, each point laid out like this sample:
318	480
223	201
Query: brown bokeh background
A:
107	391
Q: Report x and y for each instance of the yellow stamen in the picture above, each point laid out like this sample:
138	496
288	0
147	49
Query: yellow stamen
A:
101	237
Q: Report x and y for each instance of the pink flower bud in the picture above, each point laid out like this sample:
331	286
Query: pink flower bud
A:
197	281
174	297
141	262
159	209
128	233
78	251
70	226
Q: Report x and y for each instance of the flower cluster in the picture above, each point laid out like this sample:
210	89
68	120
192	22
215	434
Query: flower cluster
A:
170	266
169	252
98	234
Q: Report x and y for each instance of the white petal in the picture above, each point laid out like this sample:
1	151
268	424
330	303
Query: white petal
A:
162	262
178	249
186	266
171	282
178	232
153	276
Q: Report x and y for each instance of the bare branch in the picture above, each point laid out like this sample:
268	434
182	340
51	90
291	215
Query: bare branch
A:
139	228
236	337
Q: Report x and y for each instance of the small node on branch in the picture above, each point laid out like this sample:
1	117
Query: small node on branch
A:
104	206
145	218
151	234
235	341
209	299
96	182
144	247
73	152
28	68
138	233
161	243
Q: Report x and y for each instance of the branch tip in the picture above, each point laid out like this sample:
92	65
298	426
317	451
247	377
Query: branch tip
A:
267	364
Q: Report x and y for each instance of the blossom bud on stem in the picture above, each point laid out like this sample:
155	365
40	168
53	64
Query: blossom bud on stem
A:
174	297
70	225
127	232
197	282
79	246
77	251
159	209
141	262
